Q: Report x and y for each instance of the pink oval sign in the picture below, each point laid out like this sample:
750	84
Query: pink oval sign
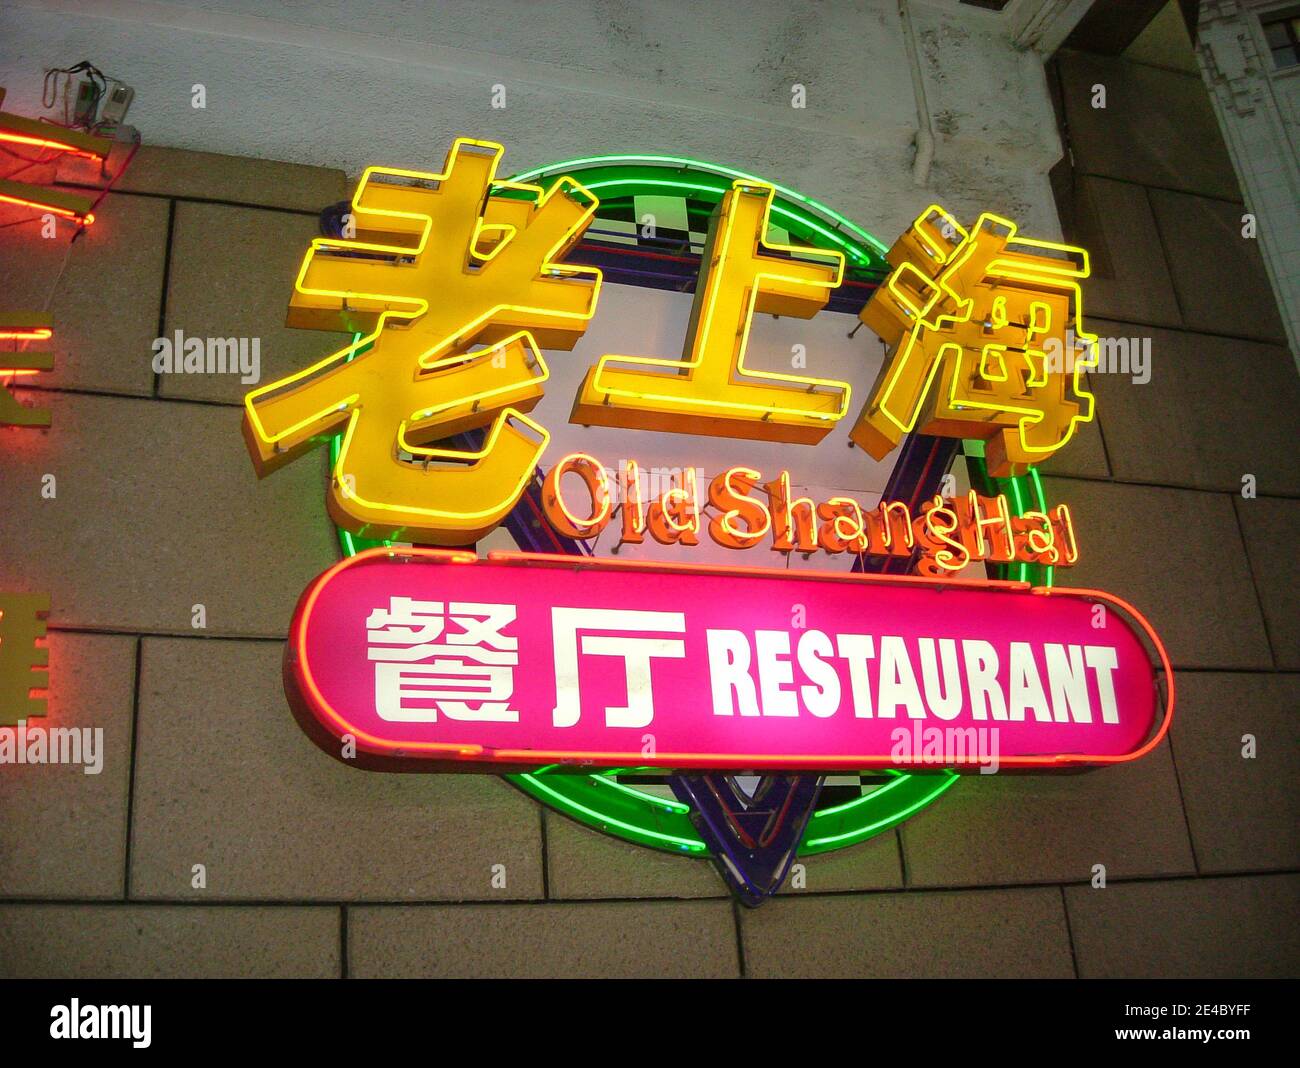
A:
521	660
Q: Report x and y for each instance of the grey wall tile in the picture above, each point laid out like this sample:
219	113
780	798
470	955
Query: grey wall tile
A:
64	832
1214	410
960	934
992	829
158	508
1157	128
1244	813
225	777
1085	455
168	942
695	939
105	303
1177	557
1196	928
583	863
211	176
1219	275
872	865
1130	276
232	274
1271	528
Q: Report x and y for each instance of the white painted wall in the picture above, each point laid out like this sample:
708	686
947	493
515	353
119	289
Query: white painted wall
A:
350	83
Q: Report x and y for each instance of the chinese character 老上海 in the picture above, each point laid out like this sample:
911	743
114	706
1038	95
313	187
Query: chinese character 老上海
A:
456	282
23	656
986	340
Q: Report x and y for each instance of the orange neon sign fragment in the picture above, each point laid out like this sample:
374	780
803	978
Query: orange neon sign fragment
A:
22	327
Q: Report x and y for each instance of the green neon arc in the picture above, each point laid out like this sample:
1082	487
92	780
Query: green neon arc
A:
600	801
807	216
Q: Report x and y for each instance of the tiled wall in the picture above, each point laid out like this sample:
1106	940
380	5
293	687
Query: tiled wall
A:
313	868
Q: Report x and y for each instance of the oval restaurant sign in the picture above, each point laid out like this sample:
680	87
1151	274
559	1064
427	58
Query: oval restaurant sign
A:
520	661
873	649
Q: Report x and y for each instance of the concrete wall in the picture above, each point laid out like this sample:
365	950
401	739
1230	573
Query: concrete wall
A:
317	869
321	83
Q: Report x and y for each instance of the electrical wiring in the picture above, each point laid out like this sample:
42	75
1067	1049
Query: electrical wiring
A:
135	147
98	79
29	162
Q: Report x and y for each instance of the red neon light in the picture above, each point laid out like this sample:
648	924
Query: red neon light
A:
41	142
86	220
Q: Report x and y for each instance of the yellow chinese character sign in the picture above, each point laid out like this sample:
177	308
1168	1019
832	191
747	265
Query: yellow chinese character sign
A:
23	656
454	284
986	341
710	390
455	279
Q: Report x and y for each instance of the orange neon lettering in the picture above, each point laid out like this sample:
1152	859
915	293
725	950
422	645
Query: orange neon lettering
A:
22	327
889	529
633	508
941	554
973	511
729	494
675	516
845	529
795	516
1063	524
562	517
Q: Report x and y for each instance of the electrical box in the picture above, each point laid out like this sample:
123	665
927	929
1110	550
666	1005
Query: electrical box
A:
115	105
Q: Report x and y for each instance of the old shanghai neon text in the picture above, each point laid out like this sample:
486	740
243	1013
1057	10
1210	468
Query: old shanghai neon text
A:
946	535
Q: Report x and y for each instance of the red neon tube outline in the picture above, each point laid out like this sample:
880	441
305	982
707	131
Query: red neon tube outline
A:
86	220
12	138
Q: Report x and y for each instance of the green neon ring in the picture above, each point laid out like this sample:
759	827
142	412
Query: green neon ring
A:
600	801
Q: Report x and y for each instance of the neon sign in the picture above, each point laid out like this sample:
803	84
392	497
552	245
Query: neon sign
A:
1017	399
944	536
492	263
710	390
23	656
445	657
997	319
21	327
48	137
